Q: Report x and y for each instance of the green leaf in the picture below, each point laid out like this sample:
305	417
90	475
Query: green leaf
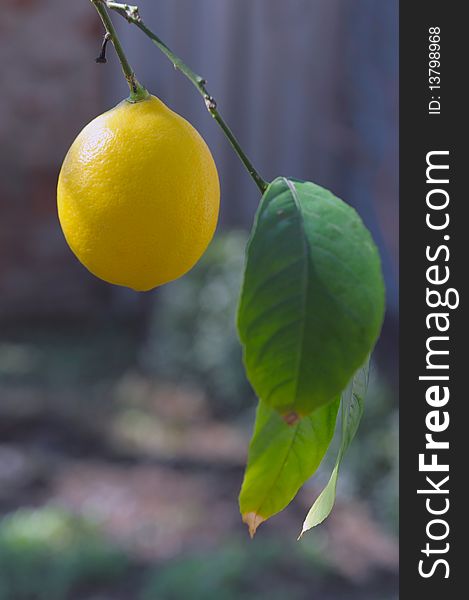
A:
281	458
352	411
312	302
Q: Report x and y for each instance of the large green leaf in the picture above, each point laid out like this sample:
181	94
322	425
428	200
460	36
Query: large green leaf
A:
281	458
352	410
312	301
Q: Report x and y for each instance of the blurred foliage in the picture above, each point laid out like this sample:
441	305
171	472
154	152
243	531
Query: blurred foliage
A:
239	571
49	554
373	462
193	334
370	470
45	553
59	356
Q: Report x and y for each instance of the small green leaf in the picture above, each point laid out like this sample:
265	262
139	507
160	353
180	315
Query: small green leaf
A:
312	301
281	458
352	411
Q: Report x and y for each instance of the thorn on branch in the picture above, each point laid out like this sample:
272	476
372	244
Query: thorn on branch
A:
210	103
102	55
133	13
126	10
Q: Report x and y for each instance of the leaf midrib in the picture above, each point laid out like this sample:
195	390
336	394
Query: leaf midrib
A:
279	472
302	334
305	283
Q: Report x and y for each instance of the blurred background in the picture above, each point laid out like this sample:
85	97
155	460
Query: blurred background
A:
124	417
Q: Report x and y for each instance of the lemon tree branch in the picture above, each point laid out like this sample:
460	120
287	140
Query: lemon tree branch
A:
137	91
132	15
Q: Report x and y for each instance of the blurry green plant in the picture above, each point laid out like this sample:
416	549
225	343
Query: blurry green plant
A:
373	463
45	553
193	335
238	572
42	356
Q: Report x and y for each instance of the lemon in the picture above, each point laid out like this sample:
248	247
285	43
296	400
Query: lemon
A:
138	195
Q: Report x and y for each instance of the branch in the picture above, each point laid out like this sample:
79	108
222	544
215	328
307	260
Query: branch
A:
132	15
137	91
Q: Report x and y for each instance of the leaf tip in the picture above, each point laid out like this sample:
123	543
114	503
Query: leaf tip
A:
304	529
252	520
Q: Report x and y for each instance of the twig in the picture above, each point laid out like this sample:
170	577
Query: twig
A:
137	91
132	15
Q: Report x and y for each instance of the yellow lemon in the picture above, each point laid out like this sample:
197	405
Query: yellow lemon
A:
138	195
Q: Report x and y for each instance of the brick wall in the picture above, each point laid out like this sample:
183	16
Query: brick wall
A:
50	87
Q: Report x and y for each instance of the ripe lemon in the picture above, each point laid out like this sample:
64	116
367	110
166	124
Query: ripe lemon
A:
138	195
